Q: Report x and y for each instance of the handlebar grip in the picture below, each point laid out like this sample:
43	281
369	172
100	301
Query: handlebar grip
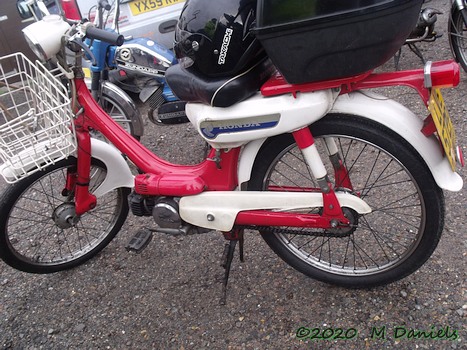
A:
104	35
105	5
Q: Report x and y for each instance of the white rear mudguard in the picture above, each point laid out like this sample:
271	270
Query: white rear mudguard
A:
390	114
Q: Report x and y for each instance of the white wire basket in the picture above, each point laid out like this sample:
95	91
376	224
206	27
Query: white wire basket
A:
36	128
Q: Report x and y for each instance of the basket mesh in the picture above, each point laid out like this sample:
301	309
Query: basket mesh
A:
36	127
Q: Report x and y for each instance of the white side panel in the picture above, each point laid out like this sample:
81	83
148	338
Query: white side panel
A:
258	117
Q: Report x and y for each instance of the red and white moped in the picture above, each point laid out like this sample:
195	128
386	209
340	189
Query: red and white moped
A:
344	184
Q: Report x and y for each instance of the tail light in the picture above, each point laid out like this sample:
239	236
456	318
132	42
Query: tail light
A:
71	10
442	74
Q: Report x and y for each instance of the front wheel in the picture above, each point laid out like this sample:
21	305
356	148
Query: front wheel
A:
39	230
458	37
389	243
121	113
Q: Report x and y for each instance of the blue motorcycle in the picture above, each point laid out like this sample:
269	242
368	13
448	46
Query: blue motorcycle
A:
137	66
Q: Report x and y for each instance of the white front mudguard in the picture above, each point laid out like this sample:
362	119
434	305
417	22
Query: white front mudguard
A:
118	171
390	114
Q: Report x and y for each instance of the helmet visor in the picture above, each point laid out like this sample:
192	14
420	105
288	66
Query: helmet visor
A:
191	47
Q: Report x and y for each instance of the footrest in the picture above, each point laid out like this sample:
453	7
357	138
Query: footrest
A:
139	241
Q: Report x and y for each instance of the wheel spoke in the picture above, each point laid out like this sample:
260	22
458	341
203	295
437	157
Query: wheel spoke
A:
458	37
377	242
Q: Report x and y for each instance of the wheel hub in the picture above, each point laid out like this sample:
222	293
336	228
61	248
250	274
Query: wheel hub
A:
352	216
65	216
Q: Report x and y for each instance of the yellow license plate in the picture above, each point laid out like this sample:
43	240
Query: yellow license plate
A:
142	6
444	127
87	72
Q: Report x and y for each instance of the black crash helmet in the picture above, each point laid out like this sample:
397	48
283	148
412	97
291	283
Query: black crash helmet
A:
214	37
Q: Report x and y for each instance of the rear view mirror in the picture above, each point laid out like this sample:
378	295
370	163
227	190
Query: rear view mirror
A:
23	9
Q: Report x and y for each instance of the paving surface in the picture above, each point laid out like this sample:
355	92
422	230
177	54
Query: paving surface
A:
167	297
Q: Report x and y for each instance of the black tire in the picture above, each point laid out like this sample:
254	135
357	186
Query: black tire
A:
458	37
31	240
392	241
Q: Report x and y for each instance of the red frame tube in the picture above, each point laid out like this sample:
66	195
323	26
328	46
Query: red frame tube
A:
303	138
84	201
216	176
268	218
331	217
220	176
443	74
341	176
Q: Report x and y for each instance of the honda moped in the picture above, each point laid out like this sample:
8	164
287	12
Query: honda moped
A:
344	184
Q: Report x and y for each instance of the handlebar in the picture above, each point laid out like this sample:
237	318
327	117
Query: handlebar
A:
104	35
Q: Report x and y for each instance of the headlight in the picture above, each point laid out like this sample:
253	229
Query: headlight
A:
44	37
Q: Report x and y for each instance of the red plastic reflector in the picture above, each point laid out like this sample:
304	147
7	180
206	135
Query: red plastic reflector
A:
445	74
460	156
71	10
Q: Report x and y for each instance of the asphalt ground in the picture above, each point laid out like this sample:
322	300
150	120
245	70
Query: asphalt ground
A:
168	296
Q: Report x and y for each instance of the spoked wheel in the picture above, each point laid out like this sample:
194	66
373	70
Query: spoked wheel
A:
119	114
389	243
39	229
458	37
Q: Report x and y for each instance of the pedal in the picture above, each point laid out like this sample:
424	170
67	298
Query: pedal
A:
171	113
139	241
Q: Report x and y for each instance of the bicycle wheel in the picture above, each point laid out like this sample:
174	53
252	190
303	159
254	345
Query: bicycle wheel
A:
39	231
389	243
119	113
458	37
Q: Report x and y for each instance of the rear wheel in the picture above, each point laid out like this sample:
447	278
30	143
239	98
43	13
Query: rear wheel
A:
458	37
389	243
39	229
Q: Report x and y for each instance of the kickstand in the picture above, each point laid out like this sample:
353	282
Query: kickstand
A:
417	52
229	249
227	257
412	48
397	58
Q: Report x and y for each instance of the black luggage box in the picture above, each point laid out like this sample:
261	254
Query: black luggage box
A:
314	40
